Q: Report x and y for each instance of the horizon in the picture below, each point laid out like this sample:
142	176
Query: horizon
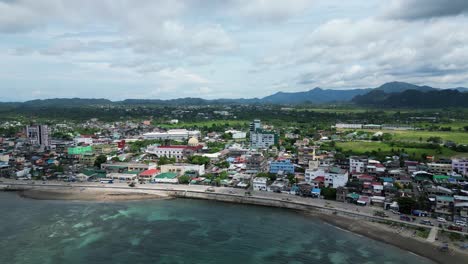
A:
207	49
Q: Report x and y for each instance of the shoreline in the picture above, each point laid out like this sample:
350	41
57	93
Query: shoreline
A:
88	195
357	224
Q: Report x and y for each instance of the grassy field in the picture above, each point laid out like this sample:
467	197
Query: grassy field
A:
206	123
361	147
416	135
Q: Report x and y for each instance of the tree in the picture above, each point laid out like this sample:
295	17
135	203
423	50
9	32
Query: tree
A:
435	140
329	193
292	178
184	179
407	204
100	160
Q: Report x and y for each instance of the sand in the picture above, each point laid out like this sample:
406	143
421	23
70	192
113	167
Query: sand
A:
395	237
85	194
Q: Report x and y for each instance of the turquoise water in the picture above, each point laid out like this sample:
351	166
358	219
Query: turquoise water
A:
176	231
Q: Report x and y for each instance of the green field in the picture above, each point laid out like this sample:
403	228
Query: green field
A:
417	135
363	147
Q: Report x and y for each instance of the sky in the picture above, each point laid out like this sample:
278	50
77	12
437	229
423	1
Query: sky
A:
163	49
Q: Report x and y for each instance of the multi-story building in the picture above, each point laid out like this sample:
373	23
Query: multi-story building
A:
305	154
178	152
260	138
440	167
38	135
282	166
333	176
357	164
256	163
173	134
461	166
260	184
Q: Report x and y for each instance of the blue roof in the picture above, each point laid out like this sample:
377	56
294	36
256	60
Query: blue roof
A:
387	179
316	190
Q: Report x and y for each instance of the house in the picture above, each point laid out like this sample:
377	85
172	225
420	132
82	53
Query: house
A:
334	176
148	175
341	193
260	183
256	163
167	177
440	167
124	176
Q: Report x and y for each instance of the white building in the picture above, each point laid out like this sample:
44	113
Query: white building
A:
334	177
236	134
84	140
350	126
357	164
260	184
182	168
173	134
176	151
461	165
260	138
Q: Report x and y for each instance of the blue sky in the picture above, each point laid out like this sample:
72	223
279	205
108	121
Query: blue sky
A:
226	49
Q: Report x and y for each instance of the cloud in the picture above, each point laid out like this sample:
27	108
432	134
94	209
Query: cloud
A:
424	9
366	52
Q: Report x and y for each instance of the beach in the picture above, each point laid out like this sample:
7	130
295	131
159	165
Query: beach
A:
85	194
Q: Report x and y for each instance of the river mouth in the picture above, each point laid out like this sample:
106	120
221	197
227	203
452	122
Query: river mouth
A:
177	231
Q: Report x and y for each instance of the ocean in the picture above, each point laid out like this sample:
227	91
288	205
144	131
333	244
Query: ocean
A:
176	231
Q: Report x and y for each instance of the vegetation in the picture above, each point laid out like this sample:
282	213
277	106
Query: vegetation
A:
406	204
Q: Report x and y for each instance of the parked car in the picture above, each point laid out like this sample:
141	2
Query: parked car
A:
460	223
441	220
455	228
405	218
426	222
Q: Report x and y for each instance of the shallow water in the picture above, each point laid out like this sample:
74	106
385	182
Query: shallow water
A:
176	231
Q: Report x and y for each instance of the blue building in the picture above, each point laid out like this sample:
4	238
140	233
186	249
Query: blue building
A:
284	166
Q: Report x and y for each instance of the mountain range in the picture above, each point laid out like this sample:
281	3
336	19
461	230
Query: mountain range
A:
392	91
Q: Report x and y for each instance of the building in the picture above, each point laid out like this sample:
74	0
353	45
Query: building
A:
260	138
177	151
183	168
460	206
348	126
38	135
439	167
148	175
444	205
128	166
168	177
282	166
461	166
333	176
260	184
87	160
357	164
236	134
305	154
256	163
173	134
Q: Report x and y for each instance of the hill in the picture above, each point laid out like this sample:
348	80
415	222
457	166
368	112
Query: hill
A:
413	99
316	95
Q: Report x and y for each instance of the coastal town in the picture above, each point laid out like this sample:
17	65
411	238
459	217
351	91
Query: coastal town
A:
258	160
